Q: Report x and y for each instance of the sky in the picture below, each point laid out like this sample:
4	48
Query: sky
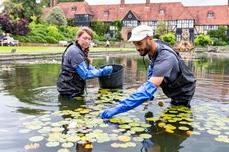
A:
185	2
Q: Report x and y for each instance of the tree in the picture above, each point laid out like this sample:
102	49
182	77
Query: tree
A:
100	28
118	26
203	40
161	29
169	38
219	36
18	27
13	10
23	9
56	16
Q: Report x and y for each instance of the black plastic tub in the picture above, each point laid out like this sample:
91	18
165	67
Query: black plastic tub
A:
113	81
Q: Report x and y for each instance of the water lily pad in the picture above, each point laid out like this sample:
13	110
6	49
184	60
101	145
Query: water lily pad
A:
213	132
124	138
115	145
31	146
151	119
145	125
169	130
137	129
88	146
145	136
124	126
67	145
161	124
36	138
134	124
169	126
183	128
138	139
222	138
57	129
52	144
63	150
24	131
73	138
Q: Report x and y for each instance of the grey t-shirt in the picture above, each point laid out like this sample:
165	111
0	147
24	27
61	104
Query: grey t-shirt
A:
164	64
73	57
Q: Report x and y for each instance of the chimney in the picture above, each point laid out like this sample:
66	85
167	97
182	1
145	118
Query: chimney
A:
122	3
147	4
53	3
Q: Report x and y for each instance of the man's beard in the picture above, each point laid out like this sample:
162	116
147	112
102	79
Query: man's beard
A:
145	51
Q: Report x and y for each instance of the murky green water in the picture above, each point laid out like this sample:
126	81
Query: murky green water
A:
28	95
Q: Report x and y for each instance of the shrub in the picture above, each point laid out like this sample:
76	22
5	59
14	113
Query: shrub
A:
202	40
169	38
56	16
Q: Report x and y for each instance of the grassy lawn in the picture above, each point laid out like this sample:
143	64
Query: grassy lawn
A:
47	49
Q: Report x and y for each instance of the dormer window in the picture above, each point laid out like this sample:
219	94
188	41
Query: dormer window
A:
106	13
129	16
211	14
162	12
74	8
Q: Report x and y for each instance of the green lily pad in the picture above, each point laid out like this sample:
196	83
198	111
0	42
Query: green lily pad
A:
145	136
67	145
52	144
63	150
137	129
183	128
36	138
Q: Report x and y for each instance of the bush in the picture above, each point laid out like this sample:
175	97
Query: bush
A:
218	42
219	36
45	33
169	38
202	40
56	16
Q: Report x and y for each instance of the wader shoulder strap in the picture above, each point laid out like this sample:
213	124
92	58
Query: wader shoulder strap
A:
65	52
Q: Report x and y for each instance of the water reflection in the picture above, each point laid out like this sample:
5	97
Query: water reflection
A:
30	90
173	127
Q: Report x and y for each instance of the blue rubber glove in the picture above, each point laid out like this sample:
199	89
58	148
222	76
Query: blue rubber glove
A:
143	93
90	72
150	71
107	70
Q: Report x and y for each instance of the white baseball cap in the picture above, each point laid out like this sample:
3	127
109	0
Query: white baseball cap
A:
140	32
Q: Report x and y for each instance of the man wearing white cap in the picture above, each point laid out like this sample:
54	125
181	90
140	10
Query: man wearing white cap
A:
166	70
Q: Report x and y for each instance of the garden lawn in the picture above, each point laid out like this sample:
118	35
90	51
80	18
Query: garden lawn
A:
47	49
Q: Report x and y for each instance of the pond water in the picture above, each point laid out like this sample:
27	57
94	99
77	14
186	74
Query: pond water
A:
34	118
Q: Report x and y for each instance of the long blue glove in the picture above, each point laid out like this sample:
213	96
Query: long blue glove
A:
150	71
143	93
92	72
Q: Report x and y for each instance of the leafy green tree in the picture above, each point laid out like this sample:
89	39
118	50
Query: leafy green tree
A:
56	16
161	29
1	31
13	10
169	38
118	25
202	40
100	28
219	36
17	9
71	0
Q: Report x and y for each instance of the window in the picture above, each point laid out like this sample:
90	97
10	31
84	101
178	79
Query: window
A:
131	23
82	18
185	23
74	8
162	12
211	14
106	13
129	16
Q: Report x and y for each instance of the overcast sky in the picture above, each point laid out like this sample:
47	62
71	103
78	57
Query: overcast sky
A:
185	2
